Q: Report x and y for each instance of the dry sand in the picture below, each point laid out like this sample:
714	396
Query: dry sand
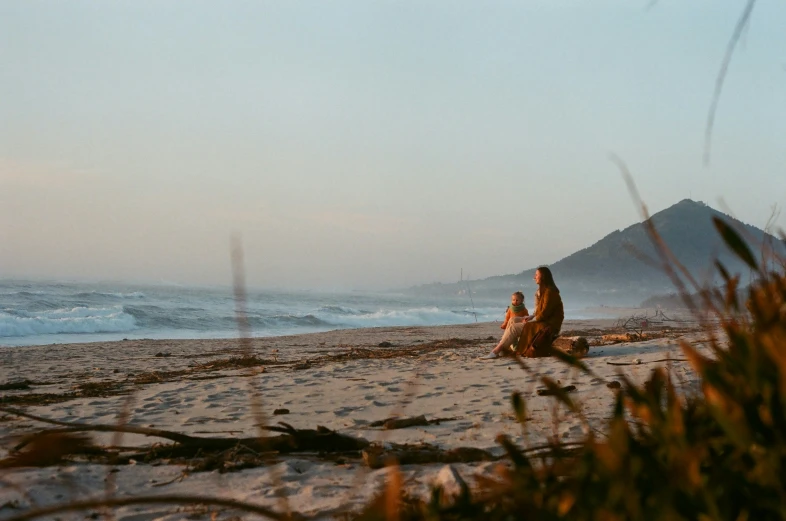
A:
342	380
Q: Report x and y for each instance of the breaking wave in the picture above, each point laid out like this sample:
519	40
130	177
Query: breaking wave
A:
60	313
63	321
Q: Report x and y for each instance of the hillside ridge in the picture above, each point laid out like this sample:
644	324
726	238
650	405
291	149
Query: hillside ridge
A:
613	264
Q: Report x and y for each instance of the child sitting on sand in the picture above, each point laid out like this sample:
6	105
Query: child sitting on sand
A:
516	312
516	309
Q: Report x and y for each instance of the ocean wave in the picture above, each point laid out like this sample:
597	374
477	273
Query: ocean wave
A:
61	321
341	310
157	317
51	313
25	293
110	294
198	319
278	322
290	321
72	312
423	316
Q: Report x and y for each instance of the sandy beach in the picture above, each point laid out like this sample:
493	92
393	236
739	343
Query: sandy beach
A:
342	380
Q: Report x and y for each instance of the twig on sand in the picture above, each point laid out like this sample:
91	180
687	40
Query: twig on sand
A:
401	423
227	453
377	457
291	439
553	392
649	361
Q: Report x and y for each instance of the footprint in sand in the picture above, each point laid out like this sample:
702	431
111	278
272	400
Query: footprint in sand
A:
575	431
298	467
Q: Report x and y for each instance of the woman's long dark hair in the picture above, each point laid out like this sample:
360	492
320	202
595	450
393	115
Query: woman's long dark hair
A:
546	278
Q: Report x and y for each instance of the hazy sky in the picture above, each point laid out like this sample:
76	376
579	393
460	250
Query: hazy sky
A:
364	144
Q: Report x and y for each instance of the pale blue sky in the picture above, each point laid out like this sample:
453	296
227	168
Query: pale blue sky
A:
361	144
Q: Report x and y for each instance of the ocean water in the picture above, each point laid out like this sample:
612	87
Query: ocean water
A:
63	312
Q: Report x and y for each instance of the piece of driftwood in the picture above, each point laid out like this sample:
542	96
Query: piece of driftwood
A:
401	423
291	439
577	346
377	457
16	386
639	362
551	392
50	449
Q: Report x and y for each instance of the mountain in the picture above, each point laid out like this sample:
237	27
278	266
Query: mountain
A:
611	271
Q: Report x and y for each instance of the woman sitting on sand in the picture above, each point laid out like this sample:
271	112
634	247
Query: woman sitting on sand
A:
548	313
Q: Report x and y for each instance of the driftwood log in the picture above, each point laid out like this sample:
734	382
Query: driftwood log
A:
553	392
402	423
56	446
573	345
377	457
290	440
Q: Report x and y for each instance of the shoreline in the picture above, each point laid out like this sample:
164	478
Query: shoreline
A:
344	380
594	314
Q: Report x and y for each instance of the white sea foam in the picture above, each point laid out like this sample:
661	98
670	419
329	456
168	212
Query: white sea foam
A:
423	316
59	321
